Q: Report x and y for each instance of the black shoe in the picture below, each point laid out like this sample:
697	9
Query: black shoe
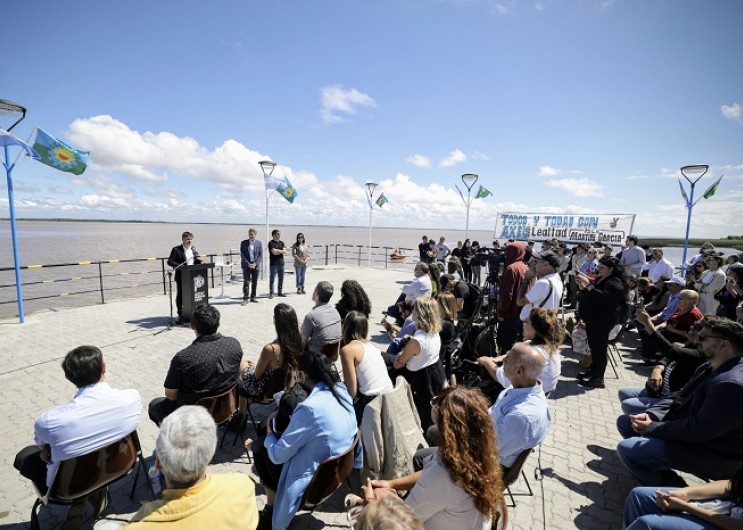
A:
592	383
282	295
584	375
178	322
270	295
254	300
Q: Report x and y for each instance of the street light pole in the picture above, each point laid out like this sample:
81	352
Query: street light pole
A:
267	166
370	186
692	174
469	180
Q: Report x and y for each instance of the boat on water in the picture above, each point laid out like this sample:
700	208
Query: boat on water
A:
398	255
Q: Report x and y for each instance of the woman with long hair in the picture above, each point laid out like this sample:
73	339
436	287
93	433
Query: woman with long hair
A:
353	298
321	427
419	361
732	294
301	254
364	370
462	486
601	308
448	310
466	258
434	272
281	354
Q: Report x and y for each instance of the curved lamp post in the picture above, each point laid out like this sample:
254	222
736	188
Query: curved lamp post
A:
469	180
692	174
267	167
370	187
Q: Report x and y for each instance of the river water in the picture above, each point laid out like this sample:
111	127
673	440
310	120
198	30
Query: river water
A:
70	242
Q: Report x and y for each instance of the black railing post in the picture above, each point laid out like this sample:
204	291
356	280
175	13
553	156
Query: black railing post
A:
336	253
385	257
165	287
358	264
100	280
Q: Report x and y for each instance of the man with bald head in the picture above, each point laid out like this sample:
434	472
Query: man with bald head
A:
520	414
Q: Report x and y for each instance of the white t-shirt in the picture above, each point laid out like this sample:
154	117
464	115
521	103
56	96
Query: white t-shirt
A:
371	372
550	375
538	294
430	344
443	250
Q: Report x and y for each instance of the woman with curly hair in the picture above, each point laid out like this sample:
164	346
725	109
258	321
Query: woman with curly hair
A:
280	354
353	298
462	486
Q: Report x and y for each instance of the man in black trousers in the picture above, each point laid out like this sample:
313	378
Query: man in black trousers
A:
183	254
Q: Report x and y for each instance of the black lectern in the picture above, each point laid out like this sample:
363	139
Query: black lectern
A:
195	287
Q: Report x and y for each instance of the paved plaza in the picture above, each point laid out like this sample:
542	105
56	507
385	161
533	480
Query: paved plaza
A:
584	484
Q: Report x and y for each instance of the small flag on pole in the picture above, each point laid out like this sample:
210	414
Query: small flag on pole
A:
712	189
271	181
286	190
7	139
381	200
59	155
683	192
482	193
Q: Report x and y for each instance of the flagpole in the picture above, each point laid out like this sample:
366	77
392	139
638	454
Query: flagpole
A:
270	166
469	180
370	194
14	236
28	142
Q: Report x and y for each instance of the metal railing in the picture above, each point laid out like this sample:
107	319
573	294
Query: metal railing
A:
93	282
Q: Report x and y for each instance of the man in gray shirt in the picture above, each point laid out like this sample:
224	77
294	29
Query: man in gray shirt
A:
633	257
442	250
323	324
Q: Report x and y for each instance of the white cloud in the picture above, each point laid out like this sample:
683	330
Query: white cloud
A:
455	157
733	112
60	190
548	171
338	103
539	6
419	160
578	187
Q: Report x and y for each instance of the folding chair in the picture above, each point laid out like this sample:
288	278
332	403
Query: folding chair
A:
81	476
512	475
613	349
222	407
329	476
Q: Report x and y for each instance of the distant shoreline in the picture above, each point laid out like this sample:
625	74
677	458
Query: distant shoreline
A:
660	241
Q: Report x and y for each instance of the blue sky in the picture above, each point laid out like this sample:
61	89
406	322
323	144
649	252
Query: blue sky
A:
565	106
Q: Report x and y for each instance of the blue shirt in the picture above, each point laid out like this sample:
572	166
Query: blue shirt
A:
320	428
521	419
671	306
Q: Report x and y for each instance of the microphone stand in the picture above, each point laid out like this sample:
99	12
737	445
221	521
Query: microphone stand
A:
170	297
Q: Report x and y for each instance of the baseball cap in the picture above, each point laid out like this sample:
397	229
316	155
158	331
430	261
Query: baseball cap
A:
677	281
550	257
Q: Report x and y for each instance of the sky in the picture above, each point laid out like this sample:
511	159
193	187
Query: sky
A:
560	107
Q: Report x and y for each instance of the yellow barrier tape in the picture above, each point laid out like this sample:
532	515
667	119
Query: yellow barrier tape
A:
77	278
35	266
124	274
47	281
84	263
64	294
151	259
113	261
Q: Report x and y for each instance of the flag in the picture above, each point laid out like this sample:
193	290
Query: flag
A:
58	154
381	200
271	182
482	193
683	192
7	139
286	190
712	189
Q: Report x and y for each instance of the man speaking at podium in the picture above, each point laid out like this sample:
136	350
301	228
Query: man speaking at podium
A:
182	255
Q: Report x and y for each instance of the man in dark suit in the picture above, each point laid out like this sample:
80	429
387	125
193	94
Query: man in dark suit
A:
699	429
251	259
186	254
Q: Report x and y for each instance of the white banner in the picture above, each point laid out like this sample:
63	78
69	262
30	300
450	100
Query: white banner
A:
590	228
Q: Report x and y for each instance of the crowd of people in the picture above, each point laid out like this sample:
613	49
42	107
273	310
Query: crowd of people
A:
335	389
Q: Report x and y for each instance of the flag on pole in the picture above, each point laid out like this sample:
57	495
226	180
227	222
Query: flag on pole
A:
7	139
286	190
381	200
482	193
271	181
59	155
712	189
683	192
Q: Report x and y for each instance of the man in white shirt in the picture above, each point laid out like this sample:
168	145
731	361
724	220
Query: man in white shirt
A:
442	250
633	256
420	286
659	267
547	291
97	416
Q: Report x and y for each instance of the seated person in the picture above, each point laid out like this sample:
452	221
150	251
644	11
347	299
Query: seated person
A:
448	333
209	365
420	286
671	373
717	504
399	334
353	298
322	426
322	325
462	486
677	327
388	513
465	294
419	363
364	371
194	498
698	430
97	416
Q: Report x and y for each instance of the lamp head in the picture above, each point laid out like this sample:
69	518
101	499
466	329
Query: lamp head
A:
267	166
694	172
14	110
469	179
370	186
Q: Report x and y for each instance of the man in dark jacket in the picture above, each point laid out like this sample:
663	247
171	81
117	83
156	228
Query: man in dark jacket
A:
180	255
700	429
509	323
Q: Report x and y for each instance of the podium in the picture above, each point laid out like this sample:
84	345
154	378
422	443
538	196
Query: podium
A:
194	288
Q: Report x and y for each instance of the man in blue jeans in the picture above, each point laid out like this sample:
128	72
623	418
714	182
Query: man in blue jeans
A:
700	429
276	251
